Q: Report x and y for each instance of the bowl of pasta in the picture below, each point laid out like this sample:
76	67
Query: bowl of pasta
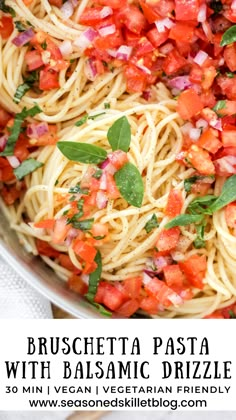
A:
118	154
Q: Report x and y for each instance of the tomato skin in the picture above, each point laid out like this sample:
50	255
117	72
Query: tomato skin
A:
157	38
150	305
33	60
48	80
201	160
6	26
195	269
128	308
174	203
164	294
230	56
45	224
60	230
90	16
109	295
45	249
186	9
189	104
168	239
132	286
228	136
173	62
209	141
132	18
173	275
182	31
84	250
109	41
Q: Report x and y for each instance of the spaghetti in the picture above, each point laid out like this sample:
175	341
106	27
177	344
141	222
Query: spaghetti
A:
64	205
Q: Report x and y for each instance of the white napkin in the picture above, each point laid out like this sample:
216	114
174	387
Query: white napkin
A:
18	299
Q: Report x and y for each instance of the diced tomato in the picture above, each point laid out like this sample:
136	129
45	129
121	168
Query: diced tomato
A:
84	250
48	139
48	80
99	229
195	270
173	275
209	141
230	215
10	194
66	262
225	166
112	190
57	3
230	56
164	294
76	284
200	160
229	108
45	249
149	11
6	171
60	230
208	98
174	203
144	47
228	136
109	41
173	62
90	16
6	26
118	158
186	9
114	4
189	104
21	148
4	117
132	287
200	188
33	60
209	74
158	38
182	31
214	315
135	79
89	267
131	38
128	308
132	18
150	305
168	239
163	7
228	86
45	224
109	295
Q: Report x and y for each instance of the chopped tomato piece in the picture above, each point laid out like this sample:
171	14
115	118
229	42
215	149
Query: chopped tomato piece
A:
112	190
118	158
84	250
186	9
128	308
89	267
114	4
158	38
230	215
109	295
135	79
228	86
150	305
200	160
164	294
209	141
91	16
48	139
195	270
33	60
173	275
168	239
174	203
228	136
45	249
6	171
189	104
45	224
109	41
182	31
76	284
6	26
10	194
173	62
48	80
66	262
57	3
209	74
60	230
132	18
230	56
132	286
149	11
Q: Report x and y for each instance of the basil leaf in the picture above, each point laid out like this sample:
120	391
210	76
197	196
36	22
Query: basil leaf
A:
82	152
184	220
228	195
130	184
44	45
107	105
97	174
218	106
32	77
229	36
94	278
199	241
201	204
93	117
21	91
7	9
78	190
81	224
20	26
82	121
189	182
26	167
16	128
151	224
101	309
232	314
119	135
216	5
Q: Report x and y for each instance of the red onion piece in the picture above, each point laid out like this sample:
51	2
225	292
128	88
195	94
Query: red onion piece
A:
200	58
146	278
74	3
90	69
101	200
112	53
66	48
103	182
150	273
164	24
124	52
3	142
107	30
34	131
85	39
180	82
233	5
225	165
67	10
217	124
14	161
161	262
23	38
195	133
186	128
166	48
202	14
104	164
72	234
143	68
147	95
201	123
106	11
175	299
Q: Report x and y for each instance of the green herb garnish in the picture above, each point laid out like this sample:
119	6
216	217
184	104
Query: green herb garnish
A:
229	36
151	224
130	184
26	167
78	190
7	9
119	135
82	152
184	220
20	26
97	174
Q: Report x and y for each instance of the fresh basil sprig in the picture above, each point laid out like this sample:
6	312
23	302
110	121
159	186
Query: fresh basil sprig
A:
199	242
16	128
130	184
82	152
7	9
26	167
201	204
84	225
119	135
228	195
229	36
26	86
184	220
94	278
151	224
